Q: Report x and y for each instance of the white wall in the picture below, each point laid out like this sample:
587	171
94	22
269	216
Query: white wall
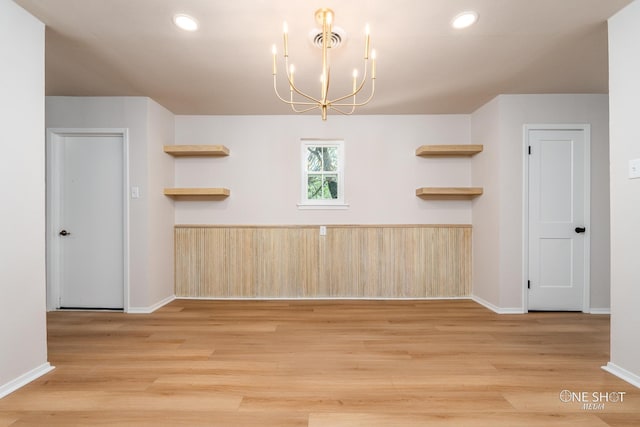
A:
263	170
485	130
382	173
513	111
160	131
23	337
624	87
147	126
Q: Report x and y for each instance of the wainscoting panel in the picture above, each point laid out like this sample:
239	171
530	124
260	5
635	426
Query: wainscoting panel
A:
351	261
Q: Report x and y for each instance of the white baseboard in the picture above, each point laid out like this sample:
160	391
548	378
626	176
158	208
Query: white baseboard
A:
600	311
496	309
623	374
25	379
151	309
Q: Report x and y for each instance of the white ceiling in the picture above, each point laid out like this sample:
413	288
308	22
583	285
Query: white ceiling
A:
131	47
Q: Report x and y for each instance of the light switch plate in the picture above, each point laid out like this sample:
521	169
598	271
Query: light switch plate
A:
323	230
135	192
634	168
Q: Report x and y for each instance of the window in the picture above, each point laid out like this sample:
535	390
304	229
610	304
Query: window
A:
322	173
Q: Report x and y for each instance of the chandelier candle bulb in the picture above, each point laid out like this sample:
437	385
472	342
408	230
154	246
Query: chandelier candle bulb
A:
285	31
366	45
274	52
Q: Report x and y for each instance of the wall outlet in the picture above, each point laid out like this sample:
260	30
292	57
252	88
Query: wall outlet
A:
323	230
634	168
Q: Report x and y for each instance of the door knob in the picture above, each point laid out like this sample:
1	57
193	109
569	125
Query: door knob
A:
64	233
580	229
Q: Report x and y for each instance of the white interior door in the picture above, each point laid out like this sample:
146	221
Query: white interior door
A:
558	216
90	220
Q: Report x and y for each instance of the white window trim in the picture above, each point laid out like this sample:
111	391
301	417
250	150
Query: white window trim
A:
338	203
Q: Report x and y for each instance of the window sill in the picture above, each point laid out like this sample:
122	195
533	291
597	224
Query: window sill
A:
307	206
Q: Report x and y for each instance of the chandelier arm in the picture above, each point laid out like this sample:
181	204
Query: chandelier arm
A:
360	104
362	83
297	103
275	88
305	109
295	88
345	113
353	108
304	95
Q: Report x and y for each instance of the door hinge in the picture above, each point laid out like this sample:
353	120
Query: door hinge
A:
528	284
529	150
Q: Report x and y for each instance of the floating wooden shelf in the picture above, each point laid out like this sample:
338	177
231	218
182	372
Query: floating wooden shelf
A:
448	150
199	193
448	193
196	150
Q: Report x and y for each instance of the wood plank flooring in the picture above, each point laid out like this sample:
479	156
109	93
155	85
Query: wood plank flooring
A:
323	364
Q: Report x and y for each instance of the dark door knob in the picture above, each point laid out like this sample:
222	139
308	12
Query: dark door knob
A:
580	229
64	233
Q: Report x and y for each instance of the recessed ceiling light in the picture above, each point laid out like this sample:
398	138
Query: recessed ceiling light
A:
464	19
185	22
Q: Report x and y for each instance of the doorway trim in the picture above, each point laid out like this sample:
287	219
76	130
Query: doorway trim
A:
53	198
586	128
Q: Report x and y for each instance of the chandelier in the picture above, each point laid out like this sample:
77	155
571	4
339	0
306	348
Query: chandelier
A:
302	102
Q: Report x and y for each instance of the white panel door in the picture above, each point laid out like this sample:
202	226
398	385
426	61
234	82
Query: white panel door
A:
557	228
91	222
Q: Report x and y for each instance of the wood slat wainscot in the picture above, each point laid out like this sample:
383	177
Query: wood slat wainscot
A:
349	261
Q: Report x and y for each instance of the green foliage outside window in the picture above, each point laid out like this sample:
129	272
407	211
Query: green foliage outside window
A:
322	177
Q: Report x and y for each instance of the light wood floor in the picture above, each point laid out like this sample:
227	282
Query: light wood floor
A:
323	364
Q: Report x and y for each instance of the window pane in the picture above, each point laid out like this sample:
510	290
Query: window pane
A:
314	159
322	173
330	186
330	157
314	187
322	159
